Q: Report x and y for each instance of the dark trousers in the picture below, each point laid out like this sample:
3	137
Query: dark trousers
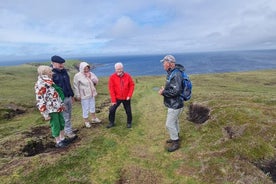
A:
127	107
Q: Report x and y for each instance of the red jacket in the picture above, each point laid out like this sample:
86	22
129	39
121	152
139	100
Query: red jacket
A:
120	87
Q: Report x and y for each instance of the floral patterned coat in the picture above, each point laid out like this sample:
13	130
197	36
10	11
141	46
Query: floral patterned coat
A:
47	98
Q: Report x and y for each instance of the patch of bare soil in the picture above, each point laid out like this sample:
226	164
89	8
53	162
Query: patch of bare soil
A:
11	111
268	167
102	107
137	175
39	141
198	113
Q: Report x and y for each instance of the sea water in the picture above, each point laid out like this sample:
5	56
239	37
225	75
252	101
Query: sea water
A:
194	63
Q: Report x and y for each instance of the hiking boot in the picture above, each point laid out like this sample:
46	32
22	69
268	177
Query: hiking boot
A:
129	125
87	125
110	125
175	145
61	144
96	120
68	141
75	130
169	141
71	135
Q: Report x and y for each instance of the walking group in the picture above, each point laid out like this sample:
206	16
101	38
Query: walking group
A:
55	97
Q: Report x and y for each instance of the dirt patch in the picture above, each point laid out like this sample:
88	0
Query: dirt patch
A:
198	113
268	167
232	132
102	107
138	175
39	140
10	111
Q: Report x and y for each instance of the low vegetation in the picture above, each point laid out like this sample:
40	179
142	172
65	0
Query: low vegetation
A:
227	134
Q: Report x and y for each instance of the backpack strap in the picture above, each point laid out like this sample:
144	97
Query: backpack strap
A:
170	77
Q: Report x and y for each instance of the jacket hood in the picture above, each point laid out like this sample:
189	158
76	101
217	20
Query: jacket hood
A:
82	66
180	67
177	66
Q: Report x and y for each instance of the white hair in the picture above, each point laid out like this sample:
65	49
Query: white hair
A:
43	70
118	64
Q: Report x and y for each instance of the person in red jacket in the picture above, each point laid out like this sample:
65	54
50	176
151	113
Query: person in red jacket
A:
121	87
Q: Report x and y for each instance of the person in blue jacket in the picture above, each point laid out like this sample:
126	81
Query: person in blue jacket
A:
62	79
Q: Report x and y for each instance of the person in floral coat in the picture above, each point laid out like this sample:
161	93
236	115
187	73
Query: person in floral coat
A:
49	101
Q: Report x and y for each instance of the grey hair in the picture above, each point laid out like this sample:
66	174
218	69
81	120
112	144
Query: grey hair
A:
43	70
118	64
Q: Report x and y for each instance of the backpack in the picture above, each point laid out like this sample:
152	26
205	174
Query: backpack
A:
187	85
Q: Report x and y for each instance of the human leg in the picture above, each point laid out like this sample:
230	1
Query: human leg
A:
67	113
92	110
85	112
127	107
57	129
112	112
172	125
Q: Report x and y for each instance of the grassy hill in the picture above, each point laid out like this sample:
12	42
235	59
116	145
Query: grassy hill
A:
235	145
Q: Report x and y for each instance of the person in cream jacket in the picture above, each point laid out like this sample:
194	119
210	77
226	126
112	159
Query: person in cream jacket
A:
85	91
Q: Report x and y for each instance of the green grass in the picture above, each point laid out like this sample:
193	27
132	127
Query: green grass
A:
245	101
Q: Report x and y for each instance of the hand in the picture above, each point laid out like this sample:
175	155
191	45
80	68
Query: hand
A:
47	118
128	98
63	108
161	90
73	100
77	98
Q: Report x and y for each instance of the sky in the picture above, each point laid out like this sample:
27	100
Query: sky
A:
32	29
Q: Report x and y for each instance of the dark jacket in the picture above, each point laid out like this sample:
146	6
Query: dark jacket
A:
61	78
173	88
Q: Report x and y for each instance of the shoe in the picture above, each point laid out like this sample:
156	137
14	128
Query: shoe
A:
129	125
75	130
169	141
61	144
110	125
175	145
96	120
68	141
87	125
71	135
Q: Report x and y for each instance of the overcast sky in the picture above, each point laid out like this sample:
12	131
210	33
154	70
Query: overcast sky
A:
74	28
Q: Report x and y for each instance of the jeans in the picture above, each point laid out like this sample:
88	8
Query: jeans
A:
67	114
172	122
127	107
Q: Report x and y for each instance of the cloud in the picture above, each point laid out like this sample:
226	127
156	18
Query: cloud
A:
33	28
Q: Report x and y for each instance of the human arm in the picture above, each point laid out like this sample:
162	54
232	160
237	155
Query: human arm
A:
111	88
173	85
131	88
41	102
76	87
94	79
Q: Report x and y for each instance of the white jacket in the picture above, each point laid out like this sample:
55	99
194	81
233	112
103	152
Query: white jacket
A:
84	87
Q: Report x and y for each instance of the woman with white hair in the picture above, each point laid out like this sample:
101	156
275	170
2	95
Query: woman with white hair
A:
49	101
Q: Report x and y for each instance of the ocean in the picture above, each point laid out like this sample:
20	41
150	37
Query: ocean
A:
195	63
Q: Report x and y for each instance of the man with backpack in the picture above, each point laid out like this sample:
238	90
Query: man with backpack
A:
173	99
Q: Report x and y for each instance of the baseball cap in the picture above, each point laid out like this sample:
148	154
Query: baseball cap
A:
169	58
